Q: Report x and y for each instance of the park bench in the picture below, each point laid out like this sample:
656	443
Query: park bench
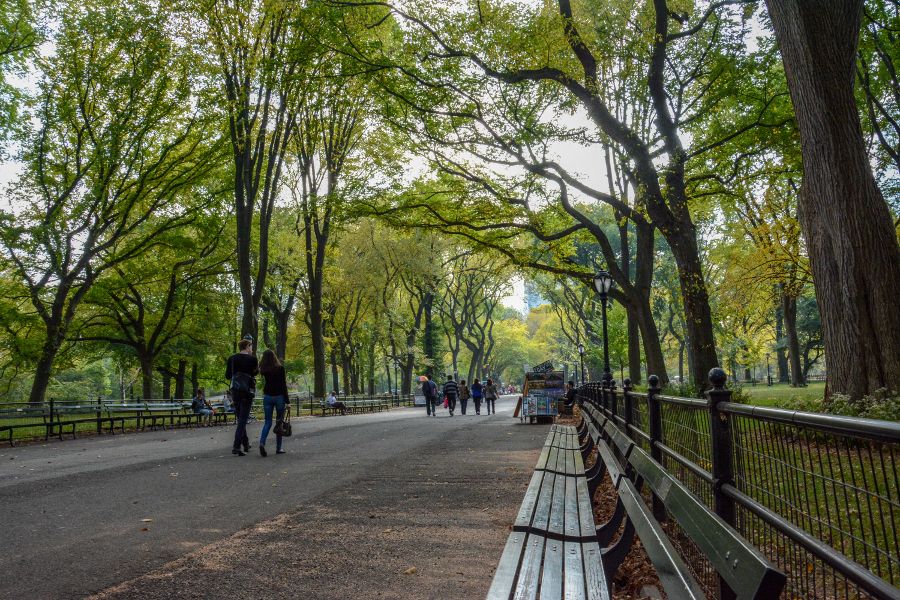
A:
741	568
13	418
70	416
552	551
356	405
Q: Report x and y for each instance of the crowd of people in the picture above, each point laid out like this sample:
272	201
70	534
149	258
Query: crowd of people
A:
242	368
453	392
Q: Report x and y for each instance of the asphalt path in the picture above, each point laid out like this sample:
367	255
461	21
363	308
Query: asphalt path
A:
82	516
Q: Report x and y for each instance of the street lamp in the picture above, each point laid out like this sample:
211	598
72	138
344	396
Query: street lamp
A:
603	283
581	354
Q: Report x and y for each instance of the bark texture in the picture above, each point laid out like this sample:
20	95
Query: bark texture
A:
852	244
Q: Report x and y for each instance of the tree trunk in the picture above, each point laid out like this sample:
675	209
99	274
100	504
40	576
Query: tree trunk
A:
317	335
166	385
195	380
179	379
789	308
681	361
852	244
282	321
44	368
634	347
656	362
371	369
335	382
701	344
428	332
146	362
783	371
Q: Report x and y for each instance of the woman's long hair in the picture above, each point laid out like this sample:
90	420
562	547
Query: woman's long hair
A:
269	362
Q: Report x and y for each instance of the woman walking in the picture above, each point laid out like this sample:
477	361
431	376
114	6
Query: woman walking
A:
464	395
490	396
274	397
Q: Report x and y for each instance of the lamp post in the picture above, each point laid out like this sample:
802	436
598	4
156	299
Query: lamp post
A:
768	372
581	355
603	283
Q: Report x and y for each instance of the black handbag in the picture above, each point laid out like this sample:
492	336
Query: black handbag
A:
283	426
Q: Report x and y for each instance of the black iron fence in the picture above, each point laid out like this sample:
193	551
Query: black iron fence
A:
27	421
818	494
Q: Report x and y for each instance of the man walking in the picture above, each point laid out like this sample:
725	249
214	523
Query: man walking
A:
240	371
430	391
451	391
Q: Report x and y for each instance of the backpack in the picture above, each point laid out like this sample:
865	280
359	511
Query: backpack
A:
195	404
430	389
242	382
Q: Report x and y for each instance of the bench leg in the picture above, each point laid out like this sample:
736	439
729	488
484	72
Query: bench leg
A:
613	556
607	531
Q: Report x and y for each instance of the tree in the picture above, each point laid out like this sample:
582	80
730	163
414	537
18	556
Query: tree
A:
114	146
853	249
147	307
257	44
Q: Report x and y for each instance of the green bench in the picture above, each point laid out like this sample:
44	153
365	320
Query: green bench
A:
739	565
552	551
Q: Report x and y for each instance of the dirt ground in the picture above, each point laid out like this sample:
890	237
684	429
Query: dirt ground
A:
429	526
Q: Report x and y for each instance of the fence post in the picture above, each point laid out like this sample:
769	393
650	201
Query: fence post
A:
722	457
627	401
99	415
613	401
654	418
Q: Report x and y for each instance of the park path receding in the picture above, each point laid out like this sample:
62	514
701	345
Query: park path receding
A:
392	505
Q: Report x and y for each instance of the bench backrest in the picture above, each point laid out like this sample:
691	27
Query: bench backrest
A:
744	568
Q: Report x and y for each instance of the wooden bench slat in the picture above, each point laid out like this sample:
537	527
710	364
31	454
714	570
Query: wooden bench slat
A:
594	576
526	509
574	575
541	519
552	578
505	575
530	573
557	518
573	524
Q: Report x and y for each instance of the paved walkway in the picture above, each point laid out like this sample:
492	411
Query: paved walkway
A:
390	505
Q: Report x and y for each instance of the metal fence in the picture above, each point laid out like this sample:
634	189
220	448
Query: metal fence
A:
818	494
28	421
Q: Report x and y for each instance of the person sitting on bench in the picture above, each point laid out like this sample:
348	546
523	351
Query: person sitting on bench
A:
333	403
201	406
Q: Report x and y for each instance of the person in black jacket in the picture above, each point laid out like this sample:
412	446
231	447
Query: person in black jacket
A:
451	391
241	370
275	395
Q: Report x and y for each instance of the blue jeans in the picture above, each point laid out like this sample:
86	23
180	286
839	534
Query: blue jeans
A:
269	403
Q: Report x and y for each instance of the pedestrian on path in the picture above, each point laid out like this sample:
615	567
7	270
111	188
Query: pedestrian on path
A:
430	391
464	395
490	395
477	392
451	391
275	395
241	371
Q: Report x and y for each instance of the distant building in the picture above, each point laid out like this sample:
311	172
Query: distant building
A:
533	297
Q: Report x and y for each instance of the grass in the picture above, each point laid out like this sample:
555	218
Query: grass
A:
781	394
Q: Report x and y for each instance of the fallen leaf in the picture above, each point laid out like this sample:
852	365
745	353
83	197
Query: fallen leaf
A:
388	530
410	571
146	520
144	529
